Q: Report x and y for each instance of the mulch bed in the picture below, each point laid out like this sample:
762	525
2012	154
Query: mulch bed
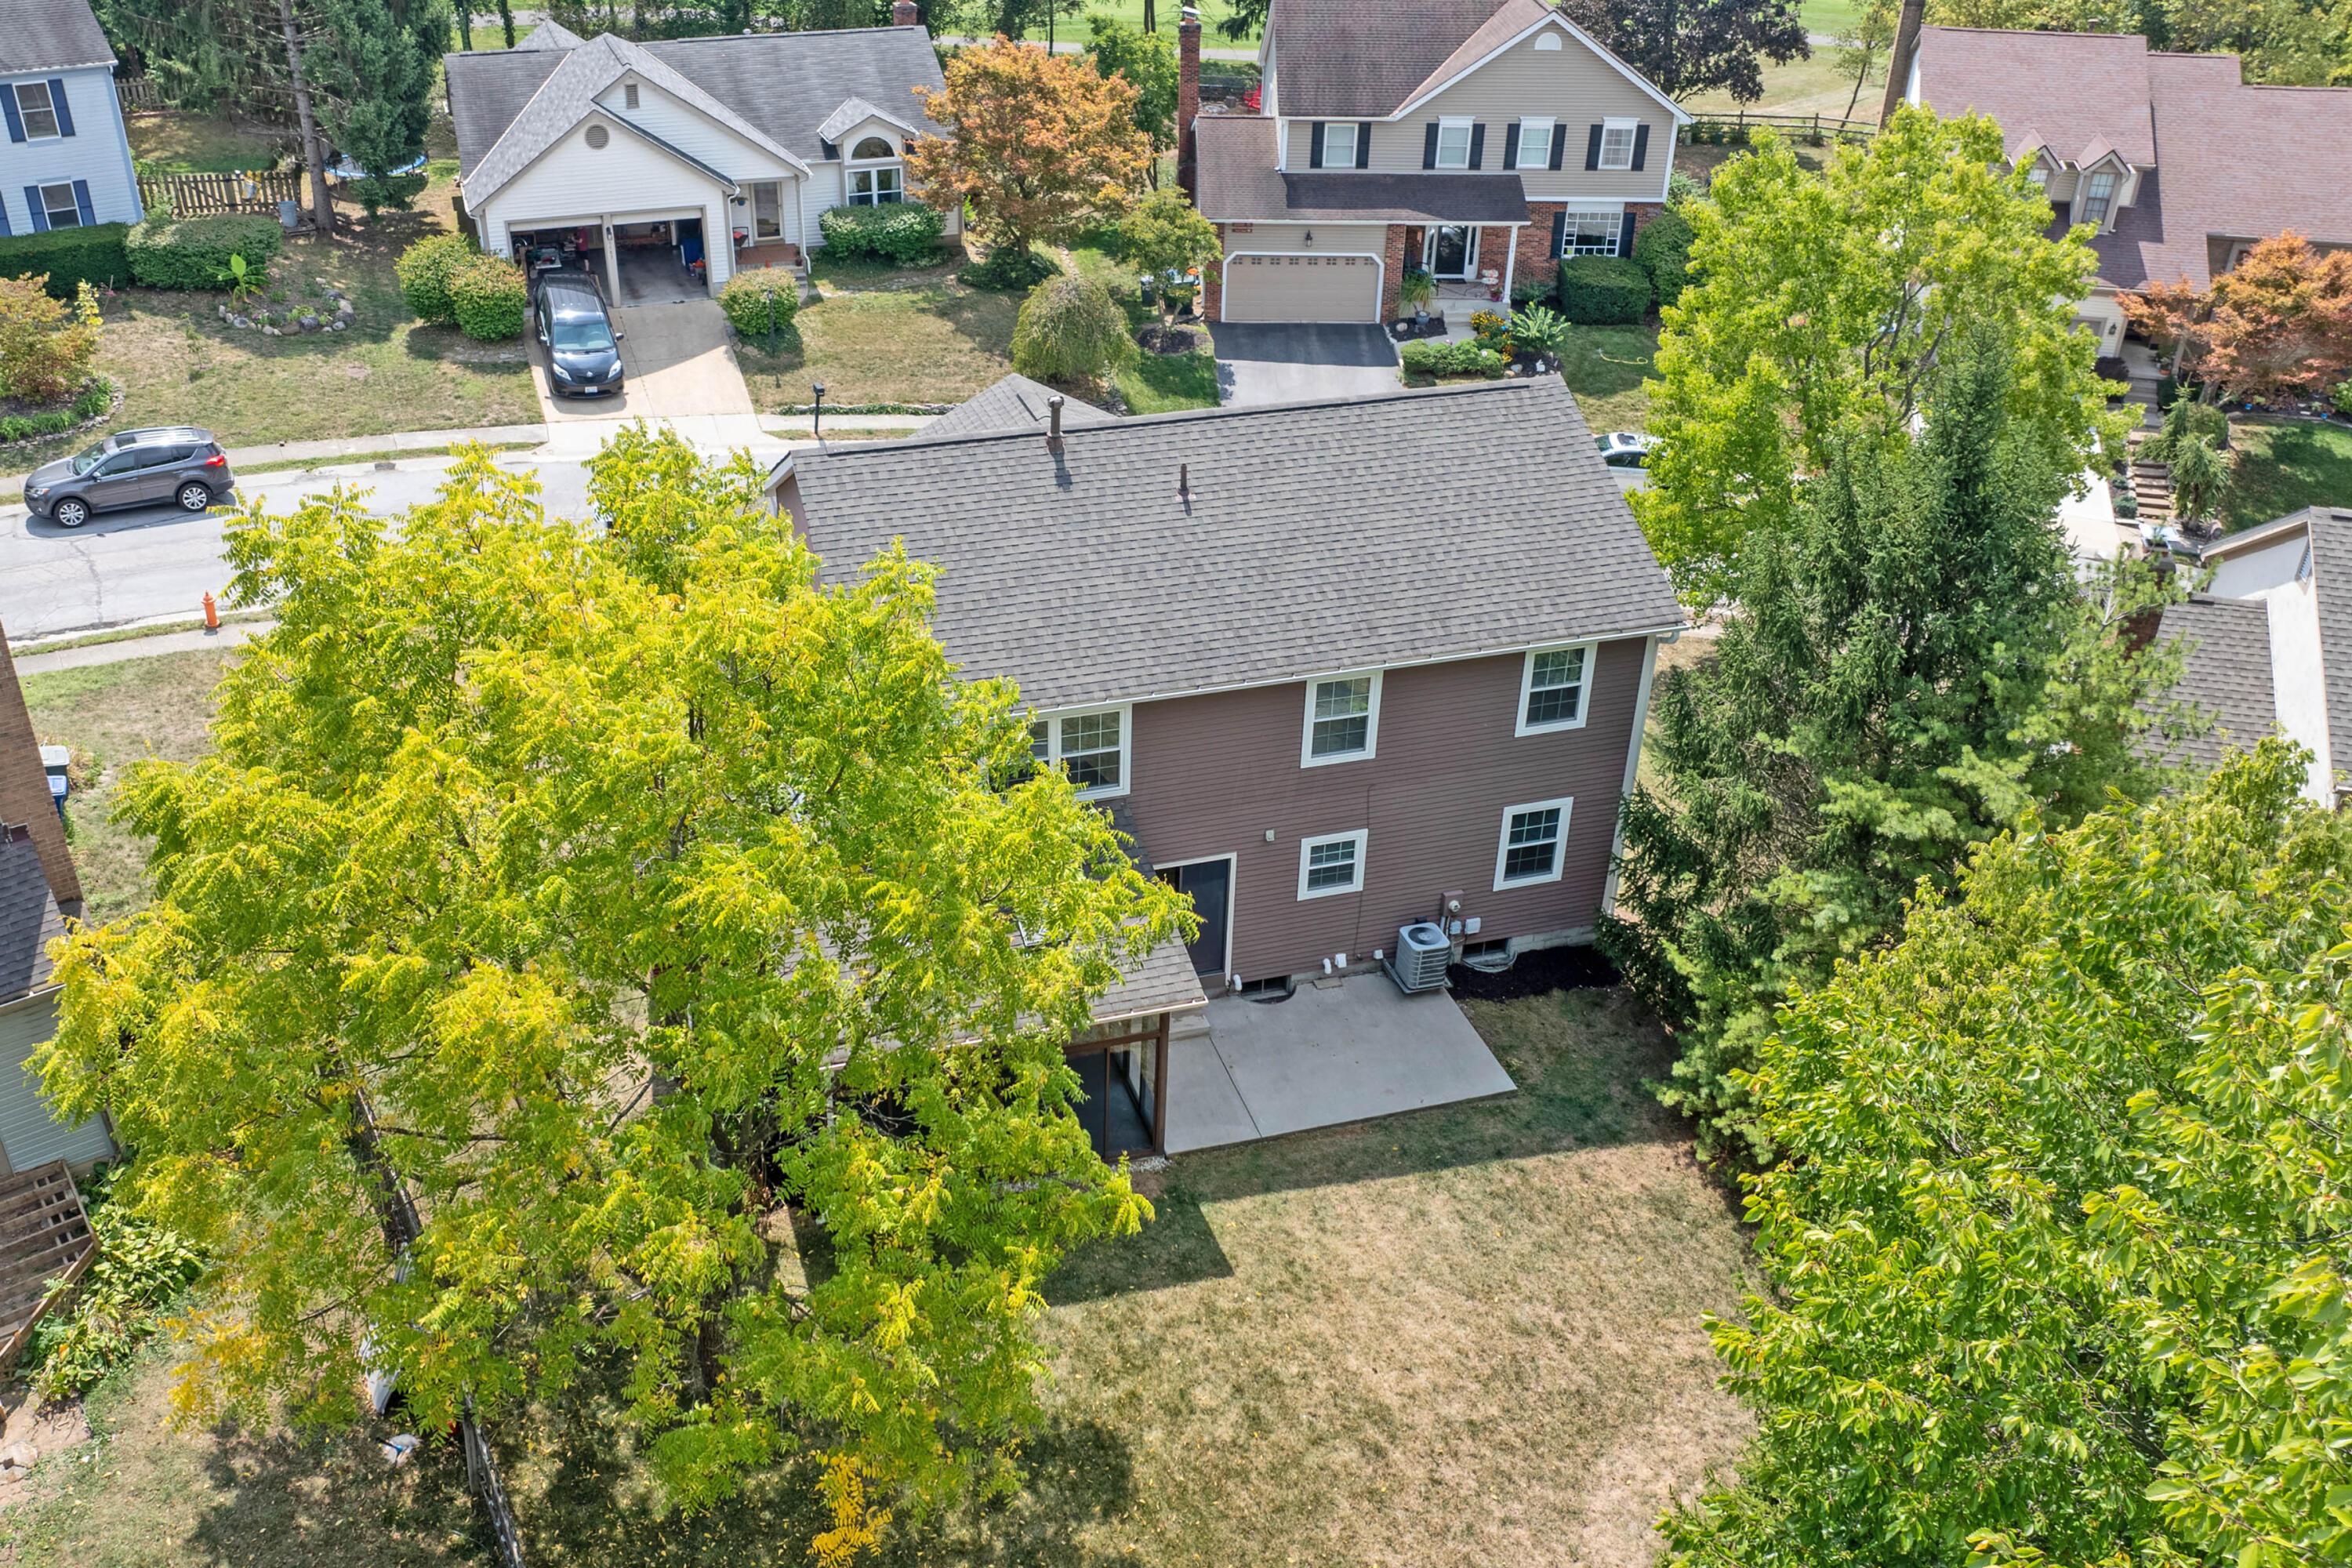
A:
1534	973
1167	340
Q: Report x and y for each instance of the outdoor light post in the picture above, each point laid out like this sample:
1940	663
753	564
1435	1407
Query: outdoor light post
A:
816	419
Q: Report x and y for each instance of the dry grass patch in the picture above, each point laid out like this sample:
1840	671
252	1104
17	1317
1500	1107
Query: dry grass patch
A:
916	336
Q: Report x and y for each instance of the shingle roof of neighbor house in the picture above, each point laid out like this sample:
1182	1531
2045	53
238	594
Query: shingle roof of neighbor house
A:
1341	58
2225	671
52	35
1403	528
2331	582
781	85
1238	180
2230	159
1015	403
29	920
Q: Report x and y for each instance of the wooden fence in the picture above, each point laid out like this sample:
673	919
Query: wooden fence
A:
138	93
43	1235
1733	128
202	196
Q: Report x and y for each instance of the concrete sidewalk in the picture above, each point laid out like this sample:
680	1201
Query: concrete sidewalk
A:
231	635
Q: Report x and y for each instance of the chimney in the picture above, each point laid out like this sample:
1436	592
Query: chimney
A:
1898	64
1188	98
1053	417
906	13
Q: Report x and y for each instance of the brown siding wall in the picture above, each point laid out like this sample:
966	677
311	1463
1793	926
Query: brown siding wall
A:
1212	775
25	789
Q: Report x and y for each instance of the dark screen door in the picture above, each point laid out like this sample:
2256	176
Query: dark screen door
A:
1209	883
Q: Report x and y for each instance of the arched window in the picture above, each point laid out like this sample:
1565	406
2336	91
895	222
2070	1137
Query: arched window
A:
872	147
877	178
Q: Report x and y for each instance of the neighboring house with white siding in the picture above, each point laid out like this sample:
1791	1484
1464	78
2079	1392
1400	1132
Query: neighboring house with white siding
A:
67	161
30	1135
717	152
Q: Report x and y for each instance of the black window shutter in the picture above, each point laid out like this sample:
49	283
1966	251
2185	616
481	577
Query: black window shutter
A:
1428	143
82	202
41	214
58	101
9	102
5	230
1559	145
1640	144
1363	144
1477	146
1511	145
1625	237
1592	149
1560	231
1315	148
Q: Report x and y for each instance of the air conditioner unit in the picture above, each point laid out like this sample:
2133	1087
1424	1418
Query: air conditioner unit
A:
1419	964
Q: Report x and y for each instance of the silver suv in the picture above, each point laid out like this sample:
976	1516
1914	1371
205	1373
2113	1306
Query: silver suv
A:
176	466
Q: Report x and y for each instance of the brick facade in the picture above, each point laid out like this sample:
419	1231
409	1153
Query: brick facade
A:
25	790
1212	280
1392	274
1536	262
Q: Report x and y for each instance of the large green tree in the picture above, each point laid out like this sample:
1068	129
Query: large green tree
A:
563	924
1910	666
1688	47
1817	309
2061	1252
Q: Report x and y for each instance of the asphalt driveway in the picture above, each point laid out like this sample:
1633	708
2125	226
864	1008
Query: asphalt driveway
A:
1297	363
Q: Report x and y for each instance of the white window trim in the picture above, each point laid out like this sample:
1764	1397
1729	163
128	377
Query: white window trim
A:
72	209
752	192
1520	727
1633	129
1352	128
2083	198
1614	211
1550	130
1362	837
57	126
1125	712
1307	757
1567	805
1469	128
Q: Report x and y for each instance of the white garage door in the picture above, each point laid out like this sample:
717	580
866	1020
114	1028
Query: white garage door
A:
1302	288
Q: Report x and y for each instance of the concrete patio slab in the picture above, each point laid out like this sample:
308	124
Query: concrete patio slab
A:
1204	1109
1339	1054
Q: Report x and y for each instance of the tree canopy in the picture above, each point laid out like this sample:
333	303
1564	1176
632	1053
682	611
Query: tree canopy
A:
1817	307
1147	60
2058	1250
618	958
1688	47
2278	324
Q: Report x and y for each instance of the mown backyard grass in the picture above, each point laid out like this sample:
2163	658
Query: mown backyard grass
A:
1604	366
174	142
1150	383
2283	466
1812	86
876	335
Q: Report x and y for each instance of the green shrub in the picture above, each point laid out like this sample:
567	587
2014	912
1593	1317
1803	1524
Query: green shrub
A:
94	402
2185	421
398	192
2342	397
761	302
424	270
1437	357
904	233
490	298
1070	329
165	254
140	1271
1539	331
1007	269
70	256
1603	290
1662	250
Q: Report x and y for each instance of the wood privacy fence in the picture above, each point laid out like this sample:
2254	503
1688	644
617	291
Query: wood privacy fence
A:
137	93
202	196
1733	128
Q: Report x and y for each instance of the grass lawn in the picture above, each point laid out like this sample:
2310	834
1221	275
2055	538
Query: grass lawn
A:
2285	465
174	143
1604	367
1812	86
1153	384
879	336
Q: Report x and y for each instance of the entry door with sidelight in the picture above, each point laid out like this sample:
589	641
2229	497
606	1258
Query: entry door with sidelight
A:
1452	250
1210	885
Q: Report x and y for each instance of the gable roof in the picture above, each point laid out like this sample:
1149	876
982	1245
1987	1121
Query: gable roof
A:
29	920
1341	59
52	35
2331	583
777	88
2225	671
1015	403
854	112
1085	576
2080	95
551	34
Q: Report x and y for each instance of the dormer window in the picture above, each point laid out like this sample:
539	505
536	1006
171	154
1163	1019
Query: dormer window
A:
2039	174
2098	197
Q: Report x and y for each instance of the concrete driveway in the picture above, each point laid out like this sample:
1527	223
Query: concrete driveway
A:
1297	363
678	365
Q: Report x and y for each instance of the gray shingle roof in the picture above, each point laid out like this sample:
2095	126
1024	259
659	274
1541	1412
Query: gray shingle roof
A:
856	111
1239	182
1409	527
1341	58
2082	95
29	921
2225	672
1015	403
781	85
52	35
2331	583
551	34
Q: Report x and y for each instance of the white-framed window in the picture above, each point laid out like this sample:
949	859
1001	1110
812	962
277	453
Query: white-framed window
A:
1553	687
1535	144
1617	143
35	111
1332	863
1454	144
882	179
1092	745
1590	231
1535	842
2040	175
1343	718
2098	197
58	205
1340	144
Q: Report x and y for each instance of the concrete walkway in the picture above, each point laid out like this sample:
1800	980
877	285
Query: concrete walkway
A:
1327	1056
231	635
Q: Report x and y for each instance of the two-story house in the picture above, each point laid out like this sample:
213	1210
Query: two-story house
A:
716	152
2174	160
1479	141
66	162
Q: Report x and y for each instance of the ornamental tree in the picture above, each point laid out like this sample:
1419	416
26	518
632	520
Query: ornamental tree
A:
2058	1257
1819	306
2278	324
559	925
1037	143
1688	47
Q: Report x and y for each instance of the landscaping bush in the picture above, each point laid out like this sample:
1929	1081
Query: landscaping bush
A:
2342	397
164	253
2186	421
490	298
1603	290
46	345
96	400
141	1270
1009	267
1662	250
70	256
398	192
906	234
761	302
424	270
1438	357
1070	329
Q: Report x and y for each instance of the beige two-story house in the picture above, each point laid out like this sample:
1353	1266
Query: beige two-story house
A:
1479	141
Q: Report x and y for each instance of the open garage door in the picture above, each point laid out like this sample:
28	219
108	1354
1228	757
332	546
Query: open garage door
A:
1302	288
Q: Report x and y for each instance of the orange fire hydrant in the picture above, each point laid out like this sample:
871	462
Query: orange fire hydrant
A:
211	612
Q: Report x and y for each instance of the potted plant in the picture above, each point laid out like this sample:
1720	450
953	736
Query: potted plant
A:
1417	289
